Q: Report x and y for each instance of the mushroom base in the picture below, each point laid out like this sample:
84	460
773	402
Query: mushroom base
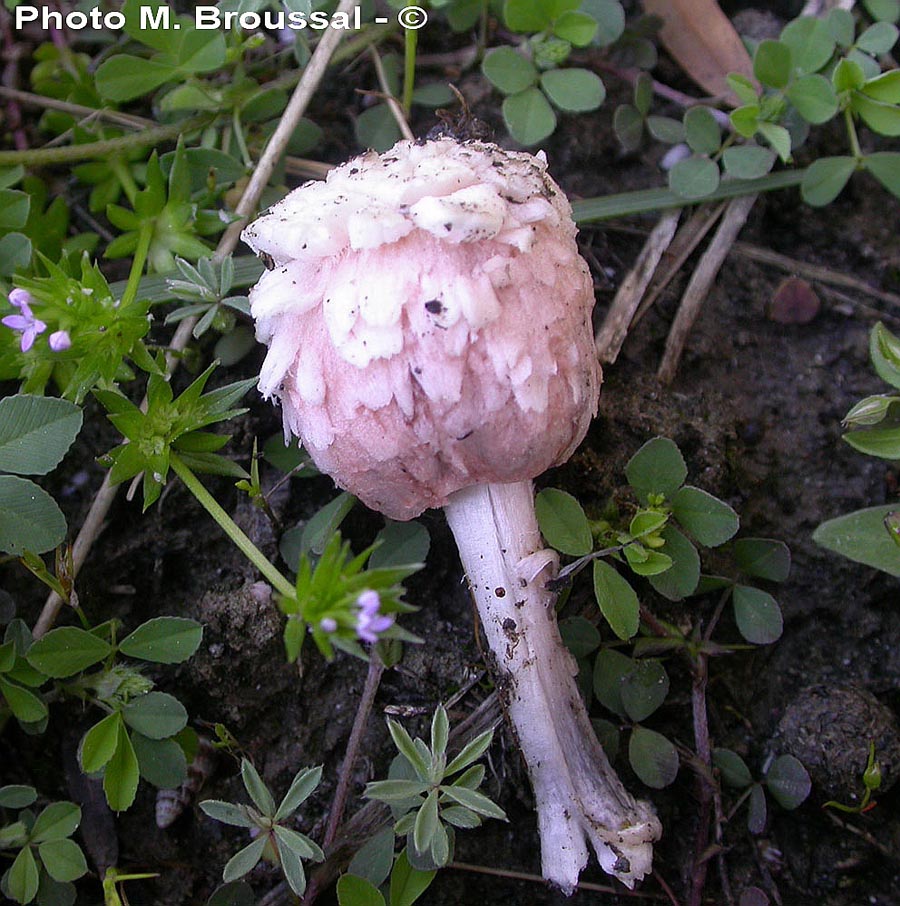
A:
578	796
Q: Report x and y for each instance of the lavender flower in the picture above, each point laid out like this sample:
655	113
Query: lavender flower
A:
328	624
369	622
25	322
59	340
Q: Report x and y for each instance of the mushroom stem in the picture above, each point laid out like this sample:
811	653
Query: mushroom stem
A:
578	796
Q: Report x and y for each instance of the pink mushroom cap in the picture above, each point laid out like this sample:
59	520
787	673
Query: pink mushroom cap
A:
428	319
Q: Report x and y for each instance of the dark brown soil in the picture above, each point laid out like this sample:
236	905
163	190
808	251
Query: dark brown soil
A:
755	408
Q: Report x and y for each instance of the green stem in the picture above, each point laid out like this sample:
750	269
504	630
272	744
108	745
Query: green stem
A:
137	264
238	130
123	174
228	525
42	157
851	131
410	43
645	200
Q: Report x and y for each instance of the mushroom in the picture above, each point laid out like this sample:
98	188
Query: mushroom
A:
428	319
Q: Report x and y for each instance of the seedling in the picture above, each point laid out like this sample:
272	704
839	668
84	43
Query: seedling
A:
274	840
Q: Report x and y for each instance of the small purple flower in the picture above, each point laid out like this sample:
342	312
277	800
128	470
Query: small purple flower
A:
369	622
328	624
59	340
25	323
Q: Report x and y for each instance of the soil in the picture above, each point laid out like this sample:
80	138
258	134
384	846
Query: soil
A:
755	408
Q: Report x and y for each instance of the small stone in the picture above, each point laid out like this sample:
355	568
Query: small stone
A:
794	302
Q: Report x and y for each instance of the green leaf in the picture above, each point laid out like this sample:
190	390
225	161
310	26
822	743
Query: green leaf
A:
733	768
885	87
163	640
652	757
842	26
426	822
63	859
440	729
120	780
14	208
757	614
508	70
400	544
748	161
881	442
407	749
681	579
665	129
617	599
563	523
291	863
573	90
814	97
772	63
408	883
694	177
524	16
778	137
57	821
473	800
30	520
528	116
470	753
245	860
256	789
745	120
811	42
22	876
25	705
883	10
711	521
878	116
302	786
884	349
98	745
702	131
124	77
825	178
878	38
373	860
157	715
580	636
610	669
657	468
861	536
396	790
17	795
15	253
885	167
161	762
36	432
756	815
576	27
788	782
628	124
354	891
644	562
376	128
848	76
763	558
644	688
227	813
66	651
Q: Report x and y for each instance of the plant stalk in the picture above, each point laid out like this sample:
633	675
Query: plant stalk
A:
578	796
228	525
